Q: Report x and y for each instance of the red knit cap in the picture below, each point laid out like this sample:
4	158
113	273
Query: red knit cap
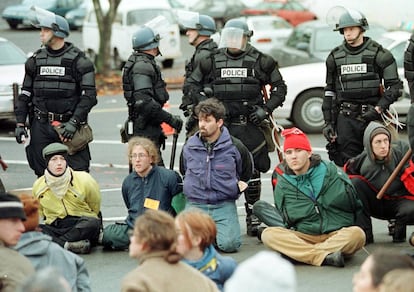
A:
31	208
296	139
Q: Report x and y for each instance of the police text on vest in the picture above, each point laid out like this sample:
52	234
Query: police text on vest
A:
52	70
353	69
233	72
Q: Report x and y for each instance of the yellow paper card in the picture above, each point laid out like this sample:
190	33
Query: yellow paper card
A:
151	204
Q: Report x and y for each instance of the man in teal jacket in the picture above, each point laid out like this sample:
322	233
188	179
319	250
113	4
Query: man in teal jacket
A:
317	205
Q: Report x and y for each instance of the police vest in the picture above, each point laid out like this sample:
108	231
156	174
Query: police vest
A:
160	94
55	85
235	78
206	48
409	59
358	79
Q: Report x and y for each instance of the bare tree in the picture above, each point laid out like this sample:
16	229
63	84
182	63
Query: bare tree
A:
104	21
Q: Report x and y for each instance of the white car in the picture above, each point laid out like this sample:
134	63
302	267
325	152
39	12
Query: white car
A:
305	83
12	60
269	32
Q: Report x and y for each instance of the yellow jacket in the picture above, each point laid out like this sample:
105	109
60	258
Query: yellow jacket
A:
83	198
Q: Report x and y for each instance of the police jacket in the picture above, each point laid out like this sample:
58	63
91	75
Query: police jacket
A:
409	60
359	74
195	80
211	175
154	191
376	172
144	88
58	81
83	198
318	202
238	80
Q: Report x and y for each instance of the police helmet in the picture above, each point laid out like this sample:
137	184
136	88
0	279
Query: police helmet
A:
351	18
241	24
205	25
58	24
145	39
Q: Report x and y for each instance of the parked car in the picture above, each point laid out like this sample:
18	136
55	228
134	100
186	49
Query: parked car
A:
220	10
75	17
312	41
16	15
269	31
291	10
12	60
130	15
303	104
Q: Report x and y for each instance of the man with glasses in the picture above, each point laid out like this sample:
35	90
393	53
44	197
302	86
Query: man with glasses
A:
148	186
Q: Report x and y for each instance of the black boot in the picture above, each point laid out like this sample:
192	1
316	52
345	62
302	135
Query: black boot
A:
252	222
400	233
391	227
335	259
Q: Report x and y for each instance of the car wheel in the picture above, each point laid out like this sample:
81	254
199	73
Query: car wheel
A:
13	24
167	63
307	111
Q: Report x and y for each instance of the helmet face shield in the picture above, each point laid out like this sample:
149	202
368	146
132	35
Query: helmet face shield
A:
40	17
233	38
159	25
188	19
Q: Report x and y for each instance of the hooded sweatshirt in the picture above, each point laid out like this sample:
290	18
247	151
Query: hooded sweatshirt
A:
375	171
42	252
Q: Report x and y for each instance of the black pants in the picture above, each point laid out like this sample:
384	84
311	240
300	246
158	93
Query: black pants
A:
400	209
43	134
72	228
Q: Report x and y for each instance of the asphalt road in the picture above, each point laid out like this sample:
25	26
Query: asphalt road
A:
109	167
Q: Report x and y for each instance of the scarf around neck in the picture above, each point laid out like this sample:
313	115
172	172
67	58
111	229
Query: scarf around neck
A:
59	185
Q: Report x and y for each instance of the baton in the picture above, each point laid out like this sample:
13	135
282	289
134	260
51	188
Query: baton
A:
394	174
174	148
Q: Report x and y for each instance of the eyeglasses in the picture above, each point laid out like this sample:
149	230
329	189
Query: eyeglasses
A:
139	155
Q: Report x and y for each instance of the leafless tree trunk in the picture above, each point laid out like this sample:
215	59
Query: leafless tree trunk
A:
103	59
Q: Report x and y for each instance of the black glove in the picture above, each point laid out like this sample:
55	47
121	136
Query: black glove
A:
328	132
191	123
370	114
258	115
19	132
69	129
176	122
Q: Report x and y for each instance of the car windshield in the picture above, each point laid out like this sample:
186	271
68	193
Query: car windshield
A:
10	54
141	16
39	3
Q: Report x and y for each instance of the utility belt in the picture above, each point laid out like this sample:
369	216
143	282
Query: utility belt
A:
353	110
48	116
239	120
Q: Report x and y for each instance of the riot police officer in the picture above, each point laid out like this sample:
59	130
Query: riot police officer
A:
361	83
240	73
409	75
145	90
58	86
199	28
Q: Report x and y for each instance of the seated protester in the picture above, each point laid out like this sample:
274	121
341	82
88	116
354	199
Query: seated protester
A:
196	235
69	200
43	252
153	244
370	170
318	205
149	186
376	266
215	166
14	267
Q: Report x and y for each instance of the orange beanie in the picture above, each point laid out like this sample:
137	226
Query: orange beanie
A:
31	208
